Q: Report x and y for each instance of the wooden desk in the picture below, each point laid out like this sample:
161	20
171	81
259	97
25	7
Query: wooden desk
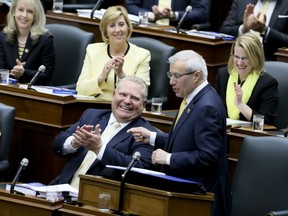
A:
282	54
18	205
146	201
87	210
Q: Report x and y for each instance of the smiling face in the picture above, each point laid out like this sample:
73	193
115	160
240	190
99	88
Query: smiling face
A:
185	84
117	30
241	62
24	15
128	102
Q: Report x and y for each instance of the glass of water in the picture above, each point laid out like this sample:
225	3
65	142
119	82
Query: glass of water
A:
104	199
57	6
258	122
156	107
143	18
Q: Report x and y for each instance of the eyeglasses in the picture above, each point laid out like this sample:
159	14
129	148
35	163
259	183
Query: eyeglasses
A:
237	58
178	75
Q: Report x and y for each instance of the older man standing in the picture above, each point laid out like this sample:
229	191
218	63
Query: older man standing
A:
195	147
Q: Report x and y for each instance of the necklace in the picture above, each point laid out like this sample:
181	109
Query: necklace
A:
20	42
108	50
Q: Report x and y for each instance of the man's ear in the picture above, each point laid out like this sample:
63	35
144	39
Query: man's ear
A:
144	103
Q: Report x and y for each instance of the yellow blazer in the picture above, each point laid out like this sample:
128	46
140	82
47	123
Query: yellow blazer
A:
136	63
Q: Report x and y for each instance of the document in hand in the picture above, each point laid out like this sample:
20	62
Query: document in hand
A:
154	179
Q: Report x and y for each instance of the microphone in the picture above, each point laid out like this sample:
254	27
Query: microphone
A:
23	165
96	6
136	156
41	69
187	11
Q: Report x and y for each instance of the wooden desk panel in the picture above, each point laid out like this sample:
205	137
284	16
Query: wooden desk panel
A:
18	205
146	201
282	54
69	210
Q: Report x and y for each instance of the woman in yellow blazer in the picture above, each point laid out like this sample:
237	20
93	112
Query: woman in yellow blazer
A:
107	62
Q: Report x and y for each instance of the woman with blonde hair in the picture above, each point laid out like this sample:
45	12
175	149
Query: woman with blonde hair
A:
25	44
107	62
245	88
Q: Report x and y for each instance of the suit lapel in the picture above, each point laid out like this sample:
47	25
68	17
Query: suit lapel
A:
27	50
185	115
279	6
122	134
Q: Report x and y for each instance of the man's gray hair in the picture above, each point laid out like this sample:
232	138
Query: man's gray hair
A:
193	60
137	80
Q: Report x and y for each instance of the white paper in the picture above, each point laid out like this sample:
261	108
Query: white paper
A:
135	169
234	122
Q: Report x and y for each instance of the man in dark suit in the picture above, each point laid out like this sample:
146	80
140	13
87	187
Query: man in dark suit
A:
129	100
272	24
199	13
195	147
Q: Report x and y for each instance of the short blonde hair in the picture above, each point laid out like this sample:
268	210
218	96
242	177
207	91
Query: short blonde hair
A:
37	27
112	13
253	48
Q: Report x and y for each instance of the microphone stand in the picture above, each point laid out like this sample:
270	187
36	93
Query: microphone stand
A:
122	187
97	5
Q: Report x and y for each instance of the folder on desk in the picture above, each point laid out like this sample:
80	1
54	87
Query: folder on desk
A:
153	179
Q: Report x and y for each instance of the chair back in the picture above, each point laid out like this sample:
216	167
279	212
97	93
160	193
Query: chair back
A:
260	181
7	116
160	52
206	25
72	6
279	70
70	43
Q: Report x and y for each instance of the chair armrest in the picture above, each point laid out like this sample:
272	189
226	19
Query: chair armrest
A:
278	213
68	86
202	26
73	7
4	164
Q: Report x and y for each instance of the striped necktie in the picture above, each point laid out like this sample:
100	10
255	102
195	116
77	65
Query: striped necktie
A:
90	157
181	109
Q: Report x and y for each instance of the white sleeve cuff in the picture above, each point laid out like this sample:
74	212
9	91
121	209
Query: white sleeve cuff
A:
101	152
168	159
152	138
67	147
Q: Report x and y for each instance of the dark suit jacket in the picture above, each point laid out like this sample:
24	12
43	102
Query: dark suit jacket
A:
278	35
41	53
264	97
199	13
198	146
118	152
